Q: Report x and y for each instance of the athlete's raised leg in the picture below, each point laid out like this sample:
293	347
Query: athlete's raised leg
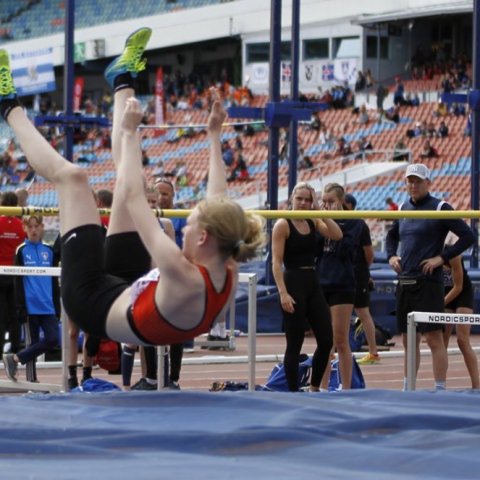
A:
120	75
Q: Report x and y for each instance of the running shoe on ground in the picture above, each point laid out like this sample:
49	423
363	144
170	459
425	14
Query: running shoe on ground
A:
369	359
11	366
142	384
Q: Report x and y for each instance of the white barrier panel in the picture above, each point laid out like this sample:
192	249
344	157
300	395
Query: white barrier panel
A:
250	278
429	317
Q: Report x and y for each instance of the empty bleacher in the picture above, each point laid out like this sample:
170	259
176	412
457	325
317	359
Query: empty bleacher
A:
22	20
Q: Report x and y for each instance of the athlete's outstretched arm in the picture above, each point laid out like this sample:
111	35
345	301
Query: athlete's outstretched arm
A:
130	181
217	180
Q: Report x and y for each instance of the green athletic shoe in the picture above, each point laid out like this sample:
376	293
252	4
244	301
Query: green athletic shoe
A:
7	88
131	59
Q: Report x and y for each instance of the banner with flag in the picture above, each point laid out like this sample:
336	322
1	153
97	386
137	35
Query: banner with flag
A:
346	70
310	75
159	98
327	72
286	73
33	72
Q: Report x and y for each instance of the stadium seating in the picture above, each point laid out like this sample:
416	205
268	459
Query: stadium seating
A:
48	16
451	170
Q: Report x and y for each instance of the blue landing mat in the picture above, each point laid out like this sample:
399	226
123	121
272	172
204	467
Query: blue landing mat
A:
363	434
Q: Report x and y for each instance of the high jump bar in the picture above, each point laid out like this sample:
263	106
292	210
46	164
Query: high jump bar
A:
274	214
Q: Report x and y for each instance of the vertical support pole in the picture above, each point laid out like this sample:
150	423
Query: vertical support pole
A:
162	352
293	156
252	330
65	348
231	321
411	352
274	94
68	80
475	177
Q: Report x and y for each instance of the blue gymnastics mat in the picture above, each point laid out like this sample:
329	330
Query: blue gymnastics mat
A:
362	434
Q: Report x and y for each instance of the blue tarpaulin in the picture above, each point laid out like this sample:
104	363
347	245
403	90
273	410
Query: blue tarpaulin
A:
362	434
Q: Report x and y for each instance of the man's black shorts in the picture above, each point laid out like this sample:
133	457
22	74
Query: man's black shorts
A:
419	295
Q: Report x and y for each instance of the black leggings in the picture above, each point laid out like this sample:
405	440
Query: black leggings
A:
312	310
95	272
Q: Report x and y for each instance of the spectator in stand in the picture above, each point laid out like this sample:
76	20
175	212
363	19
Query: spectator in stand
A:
303	161
227	153
458	109
369	81
342	149
363	146
22	196
440	109
315	121
284	145
446	84
431	131
391	205
159	170
316	125
400	151
412	100
428	151
145	158
393	114
418	131
325	136
240	170
12	235
382	93
29	175
399	92
238	143
442	130
361	82
363	117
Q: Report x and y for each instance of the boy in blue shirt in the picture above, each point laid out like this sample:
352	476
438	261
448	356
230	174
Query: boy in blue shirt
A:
38	299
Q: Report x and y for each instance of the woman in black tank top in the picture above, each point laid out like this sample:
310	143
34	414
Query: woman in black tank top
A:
301	296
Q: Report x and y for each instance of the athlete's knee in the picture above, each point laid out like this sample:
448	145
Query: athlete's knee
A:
73	333
463	342
435	340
